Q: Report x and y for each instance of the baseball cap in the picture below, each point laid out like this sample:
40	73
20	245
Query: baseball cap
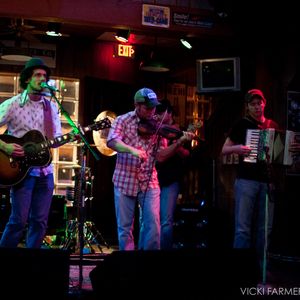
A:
254	93
146	96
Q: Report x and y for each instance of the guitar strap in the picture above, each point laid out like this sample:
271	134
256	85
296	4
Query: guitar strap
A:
48	122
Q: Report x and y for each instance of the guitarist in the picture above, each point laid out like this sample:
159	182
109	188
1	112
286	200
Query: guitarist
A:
31	197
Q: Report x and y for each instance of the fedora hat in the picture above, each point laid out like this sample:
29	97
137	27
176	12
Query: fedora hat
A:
33	63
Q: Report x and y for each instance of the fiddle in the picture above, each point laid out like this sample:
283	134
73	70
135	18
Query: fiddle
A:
151	127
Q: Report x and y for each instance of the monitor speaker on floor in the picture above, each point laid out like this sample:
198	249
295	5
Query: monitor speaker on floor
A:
34	273
176	274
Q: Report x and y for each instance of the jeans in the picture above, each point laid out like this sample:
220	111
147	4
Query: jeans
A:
251	200
30	206
168	199
149	223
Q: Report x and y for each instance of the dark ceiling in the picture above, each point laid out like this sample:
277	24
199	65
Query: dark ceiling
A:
252	22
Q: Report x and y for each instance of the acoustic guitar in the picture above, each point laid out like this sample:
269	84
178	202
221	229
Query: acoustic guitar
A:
37	152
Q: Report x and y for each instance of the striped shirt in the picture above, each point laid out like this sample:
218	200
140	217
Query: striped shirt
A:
130	174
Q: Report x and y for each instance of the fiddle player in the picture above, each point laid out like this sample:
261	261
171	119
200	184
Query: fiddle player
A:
135	176
170	176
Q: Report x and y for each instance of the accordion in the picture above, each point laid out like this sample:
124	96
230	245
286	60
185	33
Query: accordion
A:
270	145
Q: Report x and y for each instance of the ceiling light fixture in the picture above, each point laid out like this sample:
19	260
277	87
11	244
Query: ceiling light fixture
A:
16	53
186	43
122	35
54	29
153	64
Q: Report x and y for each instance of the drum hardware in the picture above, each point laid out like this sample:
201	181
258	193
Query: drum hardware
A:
91	235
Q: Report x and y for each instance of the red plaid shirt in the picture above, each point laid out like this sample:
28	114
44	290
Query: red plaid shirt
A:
130	175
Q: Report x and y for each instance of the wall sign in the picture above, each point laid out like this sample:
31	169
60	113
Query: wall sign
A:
125	51
154	15
192	20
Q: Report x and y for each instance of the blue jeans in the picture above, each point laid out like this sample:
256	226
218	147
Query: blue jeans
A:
251	199
168	199
30	206
149	235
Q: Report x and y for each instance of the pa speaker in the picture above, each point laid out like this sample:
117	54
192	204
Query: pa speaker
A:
176	274
34	273
57	215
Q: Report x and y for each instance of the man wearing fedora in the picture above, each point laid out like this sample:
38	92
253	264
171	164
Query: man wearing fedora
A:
30	197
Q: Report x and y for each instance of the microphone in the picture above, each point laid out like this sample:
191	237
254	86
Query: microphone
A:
45	85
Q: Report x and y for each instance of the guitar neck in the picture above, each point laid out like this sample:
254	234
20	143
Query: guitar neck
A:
58	141
68	137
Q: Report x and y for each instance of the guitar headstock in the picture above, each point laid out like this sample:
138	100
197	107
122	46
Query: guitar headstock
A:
102	124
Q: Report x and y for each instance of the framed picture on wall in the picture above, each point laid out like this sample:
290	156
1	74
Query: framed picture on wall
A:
154	15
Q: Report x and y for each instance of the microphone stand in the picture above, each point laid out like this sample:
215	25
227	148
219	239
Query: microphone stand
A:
81	197
266	220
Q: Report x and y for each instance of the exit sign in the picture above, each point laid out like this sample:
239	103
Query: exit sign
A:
125	51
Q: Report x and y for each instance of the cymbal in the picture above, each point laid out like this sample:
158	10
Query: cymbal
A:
100	136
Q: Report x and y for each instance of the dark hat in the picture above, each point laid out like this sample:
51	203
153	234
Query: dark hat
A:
254	93
165	104
33	63
146	96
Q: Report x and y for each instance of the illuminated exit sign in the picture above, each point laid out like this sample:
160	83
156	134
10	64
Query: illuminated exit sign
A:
125	51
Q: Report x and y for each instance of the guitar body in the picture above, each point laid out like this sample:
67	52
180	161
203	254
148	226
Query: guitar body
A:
37	152
14	169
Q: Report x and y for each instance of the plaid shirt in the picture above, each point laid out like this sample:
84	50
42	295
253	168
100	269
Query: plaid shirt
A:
130	175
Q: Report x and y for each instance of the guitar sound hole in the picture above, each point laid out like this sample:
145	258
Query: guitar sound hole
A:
30	149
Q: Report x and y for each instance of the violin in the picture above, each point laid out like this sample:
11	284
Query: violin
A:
151	127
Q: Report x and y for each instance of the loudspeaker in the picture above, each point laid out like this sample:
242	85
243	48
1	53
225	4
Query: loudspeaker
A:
34	273
176	274
57	219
